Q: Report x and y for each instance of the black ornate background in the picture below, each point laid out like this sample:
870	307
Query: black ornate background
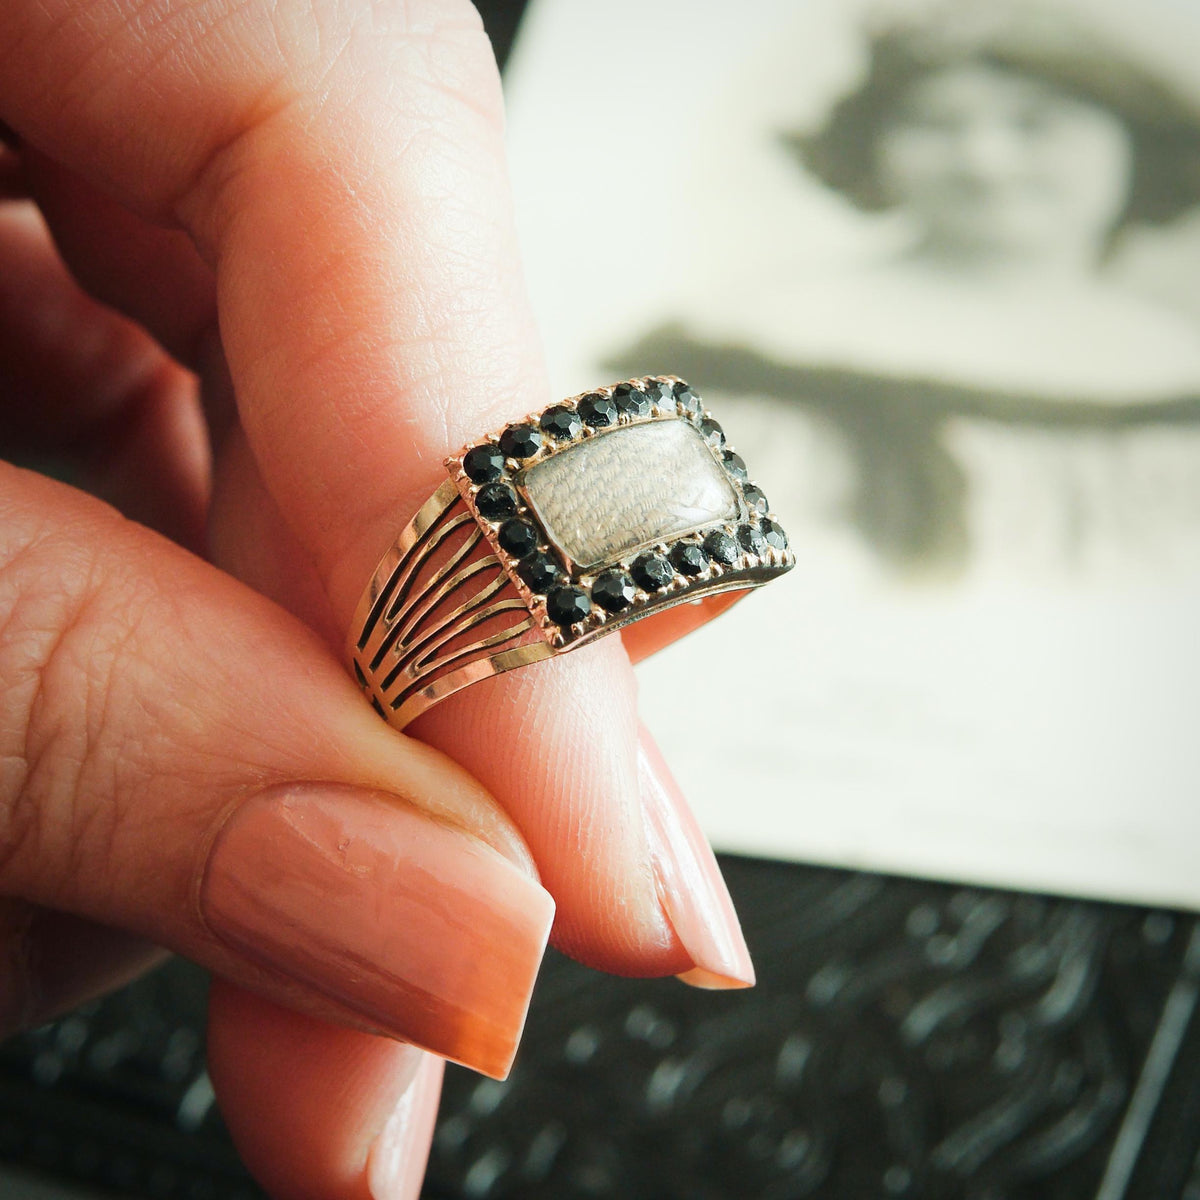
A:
907	1039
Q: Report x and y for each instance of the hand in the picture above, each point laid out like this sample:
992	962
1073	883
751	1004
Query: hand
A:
301	204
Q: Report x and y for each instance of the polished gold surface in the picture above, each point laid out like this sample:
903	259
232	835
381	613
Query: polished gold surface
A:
414	646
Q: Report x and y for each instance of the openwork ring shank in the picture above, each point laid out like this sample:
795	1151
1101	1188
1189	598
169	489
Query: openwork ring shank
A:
602	511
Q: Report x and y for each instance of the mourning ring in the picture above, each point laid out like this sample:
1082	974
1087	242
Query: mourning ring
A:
623	508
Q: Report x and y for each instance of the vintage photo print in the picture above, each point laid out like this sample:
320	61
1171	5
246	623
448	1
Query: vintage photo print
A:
935	266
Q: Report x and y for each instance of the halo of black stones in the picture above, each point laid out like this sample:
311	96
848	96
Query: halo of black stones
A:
758	539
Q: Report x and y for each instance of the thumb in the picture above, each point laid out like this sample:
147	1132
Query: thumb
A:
185	761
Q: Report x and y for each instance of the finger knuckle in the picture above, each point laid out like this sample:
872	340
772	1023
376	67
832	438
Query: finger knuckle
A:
63	647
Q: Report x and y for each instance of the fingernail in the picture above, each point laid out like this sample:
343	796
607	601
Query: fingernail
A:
420	927
396	1160
690	887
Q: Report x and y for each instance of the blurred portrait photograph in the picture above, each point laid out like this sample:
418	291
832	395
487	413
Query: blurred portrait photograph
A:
935	266
989	397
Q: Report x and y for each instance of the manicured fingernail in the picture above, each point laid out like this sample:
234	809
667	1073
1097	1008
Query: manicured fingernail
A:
396	1160
690	887
421	928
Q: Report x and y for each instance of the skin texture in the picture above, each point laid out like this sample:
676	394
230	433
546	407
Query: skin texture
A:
266	281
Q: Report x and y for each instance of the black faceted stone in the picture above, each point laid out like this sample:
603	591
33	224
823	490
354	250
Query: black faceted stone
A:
562	424
752	538
520	441
734	465
774	535
631	401
483	464
652	572
756	501
518	537
689	558
613	590
540	572
598	411
722	547
567	605
496	501
712	432
661	392
686	399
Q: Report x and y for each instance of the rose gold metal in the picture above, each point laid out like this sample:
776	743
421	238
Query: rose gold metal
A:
447	607
395	654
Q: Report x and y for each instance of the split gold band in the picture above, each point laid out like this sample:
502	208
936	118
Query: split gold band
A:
609	508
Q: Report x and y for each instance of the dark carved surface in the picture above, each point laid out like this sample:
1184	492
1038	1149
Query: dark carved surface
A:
907	1039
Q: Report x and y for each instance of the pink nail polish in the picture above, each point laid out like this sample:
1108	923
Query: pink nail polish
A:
422	928
690	886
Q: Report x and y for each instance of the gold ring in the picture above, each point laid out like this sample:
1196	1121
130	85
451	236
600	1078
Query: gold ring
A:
578	521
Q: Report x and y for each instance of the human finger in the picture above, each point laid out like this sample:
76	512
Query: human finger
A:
51	962
316	1109
150	272
85	386
341	169
319	1111
185	762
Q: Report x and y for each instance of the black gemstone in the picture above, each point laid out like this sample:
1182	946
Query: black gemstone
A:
721	547
562	424
661	392
652	572
734	464
540	572
774	535
712	431
598	411
752	538
520	441
631	401
483	464
687	400
613	590
756	501
567	605
518	537
496	501
689	558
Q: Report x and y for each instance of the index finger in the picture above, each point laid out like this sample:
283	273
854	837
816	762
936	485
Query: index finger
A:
341	168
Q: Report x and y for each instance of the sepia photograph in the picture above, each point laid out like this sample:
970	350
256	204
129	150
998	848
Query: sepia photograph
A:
932	267
990	399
